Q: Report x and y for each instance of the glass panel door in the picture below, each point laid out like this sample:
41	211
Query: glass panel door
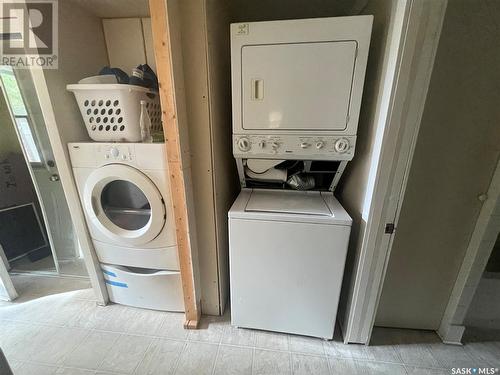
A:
30	126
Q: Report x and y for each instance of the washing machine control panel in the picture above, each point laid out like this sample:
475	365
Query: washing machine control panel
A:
294	147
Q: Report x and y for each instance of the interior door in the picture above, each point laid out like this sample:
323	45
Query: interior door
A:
456	152
32	132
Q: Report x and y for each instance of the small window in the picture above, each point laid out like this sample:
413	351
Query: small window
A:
16	104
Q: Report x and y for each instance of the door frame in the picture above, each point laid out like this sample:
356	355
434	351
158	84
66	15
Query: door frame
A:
476	257
421	27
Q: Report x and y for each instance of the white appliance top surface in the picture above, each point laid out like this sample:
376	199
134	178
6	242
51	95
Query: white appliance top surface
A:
289	205
292	202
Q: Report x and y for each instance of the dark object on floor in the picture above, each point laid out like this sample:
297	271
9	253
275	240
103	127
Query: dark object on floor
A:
21	231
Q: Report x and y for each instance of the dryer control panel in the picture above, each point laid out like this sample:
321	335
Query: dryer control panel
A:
138	155
117	152
297	147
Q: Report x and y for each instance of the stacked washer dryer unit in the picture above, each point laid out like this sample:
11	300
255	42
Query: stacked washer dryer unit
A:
296	91
125	194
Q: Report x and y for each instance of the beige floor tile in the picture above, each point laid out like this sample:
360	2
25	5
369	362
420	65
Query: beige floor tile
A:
73	371
211	329
485	352
161	357
32	369
238	336
271	340
113	317
143	321
91	351
85	294
269	362
307	365
89	313
16	338
127	352
342	366
232	360
306	345
15	365
410	370
197	358
52	344
173	327
449	356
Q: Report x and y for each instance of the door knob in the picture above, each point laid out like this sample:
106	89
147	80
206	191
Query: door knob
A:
54	178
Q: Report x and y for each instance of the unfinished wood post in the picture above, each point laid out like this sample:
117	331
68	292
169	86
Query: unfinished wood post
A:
168	54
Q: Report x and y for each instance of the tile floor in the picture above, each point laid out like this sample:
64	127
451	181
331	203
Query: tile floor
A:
66	333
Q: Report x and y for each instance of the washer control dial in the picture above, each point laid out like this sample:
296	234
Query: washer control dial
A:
320	145
114	152
341	145
244	144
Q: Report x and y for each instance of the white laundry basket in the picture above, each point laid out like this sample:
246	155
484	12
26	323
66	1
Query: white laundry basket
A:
111	112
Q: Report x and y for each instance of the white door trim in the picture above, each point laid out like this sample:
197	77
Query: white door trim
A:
422	23
476	257
7	290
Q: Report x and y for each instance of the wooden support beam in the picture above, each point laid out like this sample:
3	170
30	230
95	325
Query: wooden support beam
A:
167	48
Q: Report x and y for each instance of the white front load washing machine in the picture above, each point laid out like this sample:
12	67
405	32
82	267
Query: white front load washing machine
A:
287	251
125	194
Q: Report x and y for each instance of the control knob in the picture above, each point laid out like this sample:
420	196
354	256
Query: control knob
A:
114	152
341	145
244	144
304	145
320	145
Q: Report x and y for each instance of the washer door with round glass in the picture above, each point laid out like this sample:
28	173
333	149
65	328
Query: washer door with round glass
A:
124	205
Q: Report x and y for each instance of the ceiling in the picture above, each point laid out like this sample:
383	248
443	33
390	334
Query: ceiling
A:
115	8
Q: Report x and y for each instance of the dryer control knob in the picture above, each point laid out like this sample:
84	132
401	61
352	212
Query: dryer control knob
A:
341	145
320	145
244	144
114	152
